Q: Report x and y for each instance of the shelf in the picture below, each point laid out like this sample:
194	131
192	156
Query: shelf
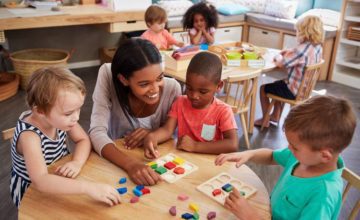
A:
353	62
347	76
350	42
352	18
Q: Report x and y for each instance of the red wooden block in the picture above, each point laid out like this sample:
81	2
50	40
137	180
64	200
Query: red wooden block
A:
145	191
216	192
169	165
179	170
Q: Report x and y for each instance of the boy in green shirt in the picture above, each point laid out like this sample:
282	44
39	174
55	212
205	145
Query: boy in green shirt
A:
310	185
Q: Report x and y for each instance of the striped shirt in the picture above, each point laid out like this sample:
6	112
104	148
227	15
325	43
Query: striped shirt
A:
52	151
296	59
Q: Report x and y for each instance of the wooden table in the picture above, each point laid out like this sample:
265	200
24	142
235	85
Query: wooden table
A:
241	71
36	205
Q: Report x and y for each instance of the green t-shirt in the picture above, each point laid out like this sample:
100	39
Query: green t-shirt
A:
305	198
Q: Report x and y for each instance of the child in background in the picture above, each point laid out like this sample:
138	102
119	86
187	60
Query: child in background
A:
155	18
55	96
205	124
201	20
309	33
310	186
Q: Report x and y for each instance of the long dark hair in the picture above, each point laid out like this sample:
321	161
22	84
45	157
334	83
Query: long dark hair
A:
132	55
207	10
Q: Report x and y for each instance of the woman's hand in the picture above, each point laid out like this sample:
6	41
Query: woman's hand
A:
135	138
142	174
239	157
239	206
70	169
186	143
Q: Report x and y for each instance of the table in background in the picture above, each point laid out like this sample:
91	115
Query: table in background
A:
37	205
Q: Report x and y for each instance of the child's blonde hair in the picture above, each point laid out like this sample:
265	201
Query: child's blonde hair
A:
155	14
44	86
310	28
323	122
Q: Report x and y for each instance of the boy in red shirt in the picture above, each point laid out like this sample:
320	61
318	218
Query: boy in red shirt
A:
205	124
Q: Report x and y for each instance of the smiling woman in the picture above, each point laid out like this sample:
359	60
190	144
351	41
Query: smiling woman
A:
131	98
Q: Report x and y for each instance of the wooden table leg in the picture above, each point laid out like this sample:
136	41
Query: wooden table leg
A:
253	106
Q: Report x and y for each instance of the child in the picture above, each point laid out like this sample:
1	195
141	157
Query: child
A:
205	124
310	186
201	20
55	97
309	33
155	18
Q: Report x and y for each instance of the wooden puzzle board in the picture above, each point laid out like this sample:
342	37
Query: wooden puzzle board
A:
171	177
220	180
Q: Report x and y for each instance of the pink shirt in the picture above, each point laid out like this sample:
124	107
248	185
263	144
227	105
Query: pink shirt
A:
202	124
162	40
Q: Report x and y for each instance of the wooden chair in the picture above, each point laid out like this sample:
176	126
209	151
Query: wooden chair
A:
8	134
353	180
245	86
307	84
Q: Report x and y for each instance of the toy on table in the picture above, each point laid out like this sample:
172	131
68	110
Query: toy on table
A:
172	168
219	187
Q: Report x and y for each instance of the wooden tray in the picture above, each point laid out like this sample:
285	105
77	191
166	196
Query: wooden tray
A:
354	33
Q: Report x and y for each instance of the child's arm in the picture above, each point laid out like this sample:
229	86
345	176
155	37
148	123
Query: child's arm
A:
160	135
195	39
228	144
239	206
208	36
29	145
261	156
82	150
179	44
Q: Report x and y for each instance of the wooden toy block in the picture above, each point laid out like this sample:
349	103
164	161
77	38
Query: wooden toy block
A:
196	215
145	191
172	210
216	192
152	164
178	160
122	180
137	192
183	167
122	190
139	187
179	170
211	215
187	216
182	197
134	199
161	170
169	165
227	183
194	207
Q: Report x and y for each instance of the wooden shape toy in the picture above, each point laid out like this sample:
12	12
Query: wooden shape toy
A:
172	210
137	192
211	215
183	167
194	207
122	180
122	190
139	187
134	199
145	191
216	192
182	197
226	182
196	216
187	216
152	164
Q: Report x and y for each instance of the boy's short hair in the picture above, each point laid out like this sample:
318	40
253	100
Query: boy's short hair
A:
206	64
310	28
323	122
45	83
155	14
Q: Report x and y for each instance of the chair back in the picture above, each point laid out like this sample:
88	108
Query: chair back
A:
239	90
8	134
353	180
308	81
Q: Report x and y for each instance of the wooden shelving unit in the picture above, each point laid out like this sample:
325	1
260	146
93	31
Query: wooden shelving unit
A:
346	68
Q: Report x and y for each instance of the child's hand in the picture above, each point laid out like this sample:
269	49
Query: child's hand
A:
135	138
180	44
70	169
103	193
186	143
150	147
142	174
239	158
239	206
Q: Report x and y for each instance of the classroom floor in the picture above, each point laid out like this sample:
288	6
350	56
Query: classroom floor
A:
272	138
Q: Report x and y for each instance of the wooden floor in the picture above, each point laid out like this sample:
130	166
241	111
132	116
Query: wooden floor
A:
272	138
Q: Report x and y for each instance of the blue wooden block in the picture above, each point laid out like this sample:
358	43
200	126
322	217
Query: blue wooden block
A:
122	180
122	190
227	187
140	187
137	192
187	216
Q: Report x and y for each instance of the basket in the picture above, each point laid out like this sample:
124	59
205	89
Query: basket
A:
354	33
9	84
25	62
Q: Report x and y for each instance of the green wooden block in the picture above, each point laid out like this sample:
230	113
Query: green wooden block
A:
242	193
160	170
196	215
154	166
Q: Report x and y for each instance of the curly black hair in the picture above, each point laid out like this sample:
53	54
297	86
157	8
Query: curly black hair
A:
205	9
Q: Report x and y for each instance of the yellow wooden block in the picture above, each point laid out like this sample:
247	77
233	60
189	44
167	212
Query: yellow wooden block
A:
194	207
178	160
151	163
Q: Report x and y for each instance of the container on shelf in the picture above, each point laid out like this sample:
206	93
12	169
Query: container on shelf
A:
9	85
